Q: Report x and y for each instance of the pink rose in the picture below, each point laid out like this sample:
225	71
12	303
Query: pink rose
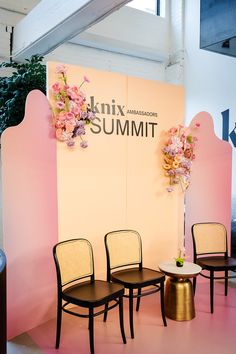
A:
59	124
56	87
187	146
187	153
70	115
61	69
76	110
60	105
62	116
173	131
75	89
71	94
69	127
86	79
79	100
59	134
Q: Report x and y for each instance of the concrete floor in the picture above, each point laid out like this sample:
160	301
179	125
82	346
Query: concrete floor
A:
206	333
23	344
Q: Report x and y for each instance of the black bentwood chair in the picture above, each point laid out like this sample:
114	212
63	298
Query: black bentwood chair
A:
210	251
124	250
74	263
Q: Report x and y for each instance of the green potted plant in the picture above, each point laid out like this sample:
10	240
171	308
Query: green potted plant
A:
14	89
179	261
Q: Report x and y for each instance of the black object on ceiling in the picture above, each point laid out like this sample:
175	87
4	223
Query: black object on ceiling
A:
218	26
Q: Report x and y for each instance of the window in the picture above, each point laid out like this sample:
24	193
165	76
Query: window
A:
151	6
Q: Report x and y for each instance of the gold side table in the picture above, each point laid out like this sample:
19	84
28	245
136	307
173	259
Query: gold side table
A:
179	297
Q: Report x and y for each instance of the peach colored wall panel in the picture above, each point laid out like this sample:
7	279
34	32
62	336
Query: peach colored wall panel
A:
30	216
118	181
157	214
209	195
92	181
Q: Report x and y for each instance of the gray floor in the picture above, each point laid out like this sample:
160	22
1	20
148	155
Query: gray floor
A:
22	344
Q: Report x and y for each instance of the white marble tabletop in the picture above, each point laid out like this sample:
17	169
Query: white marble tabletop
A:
188	270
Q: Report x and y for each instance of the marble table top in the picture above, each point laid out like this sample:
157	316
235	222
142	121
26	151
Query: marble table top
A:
189	269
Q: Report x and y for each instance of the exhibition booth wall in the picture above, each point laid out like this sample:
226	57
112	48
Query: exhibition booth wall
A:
52	192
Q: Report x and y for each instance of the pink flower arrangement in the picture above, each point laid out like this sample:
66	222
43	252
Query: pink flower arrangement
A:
71	113
178	156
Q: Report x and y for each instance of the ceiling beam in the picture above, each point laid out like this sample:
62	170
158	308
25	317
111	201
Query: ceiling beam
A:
53	22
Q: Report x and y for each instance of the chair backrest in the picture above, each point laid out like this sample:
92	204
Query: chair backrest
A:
209	238
123	248
74	260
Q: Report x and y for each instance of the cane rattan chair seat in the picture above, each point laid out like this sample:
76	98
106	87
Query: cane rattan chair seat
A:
135	278
218	263
92	294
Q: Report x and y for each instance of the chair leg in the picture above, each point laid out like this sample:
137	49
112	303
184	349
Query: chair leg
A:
194	285
59	314
105	313
212	290
138	299
121	315
226	282
163	304
131	321
91	330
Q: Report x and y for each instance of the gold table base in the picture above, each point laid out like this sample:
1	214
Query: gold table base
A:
179	299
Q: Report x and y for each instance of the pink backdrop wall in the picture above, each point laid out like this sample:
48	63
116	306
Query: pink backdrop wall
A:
209	195
118	182
29	216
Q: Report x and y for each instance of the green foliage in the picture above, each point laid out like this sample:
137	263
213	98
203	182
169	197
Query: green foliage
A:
14	89
179	261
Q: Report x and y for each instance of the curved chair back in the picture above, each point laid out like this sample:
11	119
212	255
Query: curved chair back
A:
74	260
209	238
123	248
3	310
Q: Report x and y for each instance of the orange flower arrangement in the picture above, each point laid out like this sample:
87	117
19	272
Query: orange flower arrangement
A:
178	156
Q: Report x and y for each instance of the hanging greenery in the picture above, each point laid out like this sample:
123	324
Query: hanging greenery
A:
26	76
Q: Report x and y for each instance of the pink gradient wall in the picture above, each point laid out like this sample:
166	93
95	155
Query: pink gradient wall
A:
209	195
29	216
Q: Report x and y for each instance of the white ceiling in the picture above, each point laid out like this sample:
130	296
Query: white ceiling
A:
25	6
21	6
53	22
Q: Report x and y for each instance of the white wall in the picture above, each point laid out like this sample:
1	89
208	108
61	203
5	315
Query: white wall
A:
210	78
129	41
210	81
7	20
108	61
131	31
